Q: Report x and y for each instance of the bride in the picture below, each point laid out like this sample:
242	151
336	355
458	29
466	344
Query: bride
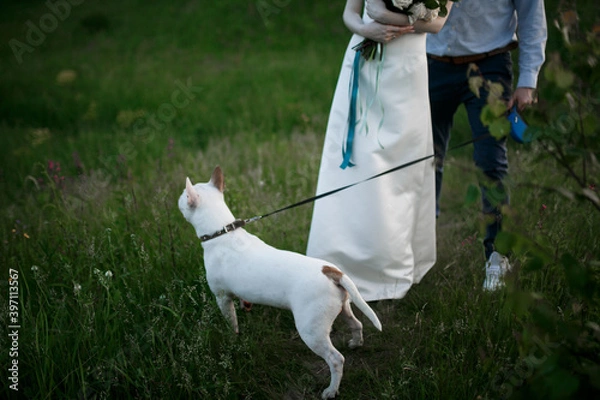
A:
381	232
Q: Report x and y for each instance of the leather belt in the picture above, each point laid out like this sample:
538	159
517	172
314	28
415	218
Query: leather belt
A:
458	60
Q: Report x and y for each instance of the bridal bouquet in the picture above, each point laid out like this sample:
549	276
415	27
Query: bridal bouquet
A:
426	10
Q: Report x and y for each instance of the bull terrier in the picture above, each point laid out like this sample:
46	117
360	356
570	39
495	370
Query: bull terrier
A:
239	264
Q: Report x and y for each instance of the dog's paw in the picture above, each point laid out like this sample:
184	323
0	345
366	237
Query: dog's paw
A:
354	343
329	393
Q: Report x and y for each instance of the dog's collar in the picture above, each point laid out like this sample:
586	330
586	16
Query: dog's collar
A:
238	223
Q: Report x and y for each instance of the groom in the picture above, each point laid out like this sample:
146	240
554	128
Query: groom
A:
483	33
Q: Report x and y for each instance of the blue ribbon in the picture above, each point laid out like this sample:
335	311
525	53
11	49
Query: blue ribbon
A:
347	152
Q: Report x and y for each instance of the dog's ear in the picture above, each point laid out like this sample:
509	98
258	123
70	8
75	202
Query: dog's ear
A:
217	179
193	198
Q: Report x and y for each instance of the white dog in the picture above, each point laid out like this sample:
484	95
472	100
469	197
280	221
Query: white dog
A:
239	264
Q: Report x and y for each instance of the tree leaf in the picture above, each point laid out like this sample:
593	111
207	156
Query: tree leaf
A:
534	264
431	4
472	195
500	128
505	242
496	90
555	72
475	84
487	115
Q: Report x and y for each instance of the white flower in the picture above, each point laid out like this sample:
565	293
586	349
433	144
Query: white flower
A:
419	11
402	4
34	268
431	14
108	274
76	288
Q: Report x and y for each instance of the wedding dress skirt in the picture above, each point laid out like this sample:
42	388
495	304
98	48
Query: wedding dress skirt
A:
381	232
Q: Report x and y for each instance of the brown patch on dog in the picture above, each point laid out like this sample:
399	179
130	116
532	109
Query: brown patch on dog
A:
336	276
332	273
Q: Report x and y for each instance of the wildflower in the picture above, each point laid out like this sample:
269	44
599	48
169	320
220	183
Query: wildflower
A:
54	172
76	288
468	240
19	229
170	147
34	268
103	278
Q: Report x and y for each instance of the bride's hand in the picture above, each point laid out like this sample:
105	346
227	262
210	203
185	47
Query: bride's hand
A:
385	33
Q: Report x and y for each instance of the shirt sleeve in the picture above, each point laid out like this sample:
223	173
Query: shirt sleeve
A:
532	32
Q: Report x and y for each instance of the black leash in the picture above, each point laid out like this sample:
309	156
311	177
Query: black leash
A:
329	193
238	223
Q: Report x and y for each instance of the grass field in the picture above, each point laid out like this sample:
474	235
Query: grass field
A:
105	108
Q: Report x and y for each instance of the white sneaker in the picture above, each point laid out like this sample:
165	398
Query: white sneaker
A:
495	268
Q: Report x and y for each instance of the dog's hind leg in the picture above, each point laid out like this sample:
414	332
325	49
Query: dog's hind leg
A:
225	303
316	336
355	325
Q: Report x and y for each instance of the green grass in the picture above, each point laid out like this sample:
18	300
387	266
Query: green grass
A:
112	297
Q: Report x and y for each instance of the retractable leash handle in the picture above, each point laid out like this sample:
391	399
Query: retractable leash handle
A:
518	127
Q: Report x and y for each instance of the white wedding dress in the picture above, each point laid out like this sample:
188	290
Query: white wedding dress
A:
381	232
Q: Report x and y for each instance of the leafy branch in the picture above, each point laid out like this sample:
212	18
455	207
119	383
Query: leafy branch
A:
565	129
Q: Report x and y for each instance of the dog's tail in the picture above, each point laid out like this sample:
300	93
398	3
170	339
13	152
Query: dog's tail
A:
344	281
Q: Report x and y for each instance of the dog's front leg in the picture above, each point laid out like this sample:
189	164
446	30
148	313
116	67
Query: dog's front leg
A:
227	307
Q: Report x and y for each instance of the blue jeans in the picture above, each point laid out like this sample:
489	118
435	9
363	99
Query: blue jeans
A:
448	89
